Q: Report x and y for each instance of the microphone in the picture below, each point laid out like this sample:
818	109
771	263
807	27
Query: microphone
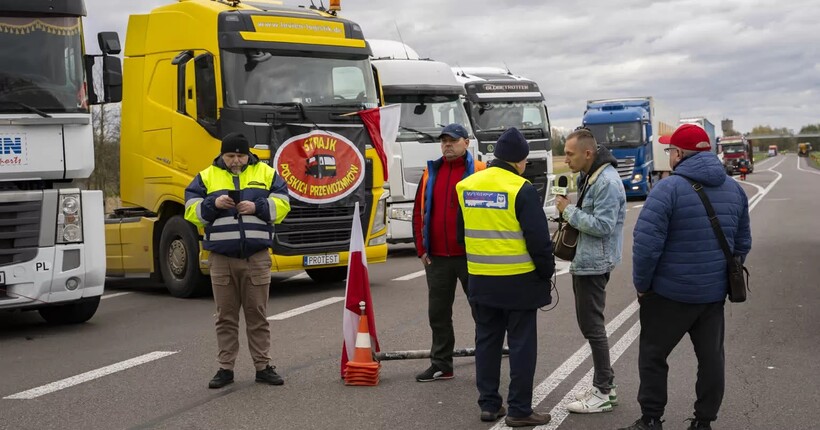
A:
561	188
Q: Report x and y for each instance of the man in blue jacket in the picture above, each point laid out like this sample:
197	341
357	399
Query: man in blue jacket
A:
599	217
679	271
510	263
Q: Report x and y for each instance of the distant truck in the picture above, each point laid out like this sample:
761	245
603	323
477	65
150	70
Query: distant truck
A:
630	128
430	98
734	149
707	126
498	100
772	150
803	149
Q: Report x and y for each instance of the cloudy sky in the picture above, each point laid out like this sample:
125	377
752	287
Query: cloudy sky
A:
754	61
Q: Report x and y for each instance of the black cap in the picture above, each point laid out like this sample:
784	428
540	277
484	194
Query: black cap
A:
512	146
235	142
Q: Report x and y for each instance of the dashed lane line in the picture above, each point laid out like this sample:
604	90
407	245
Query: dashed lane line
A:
88	376
305	308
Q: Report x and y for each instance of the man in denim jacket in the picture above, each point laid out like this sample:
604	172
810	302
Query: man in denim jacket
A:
600	223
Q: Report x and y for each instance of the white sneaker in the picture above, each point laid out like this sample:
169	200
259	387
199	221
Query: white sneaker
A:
591	401
613	395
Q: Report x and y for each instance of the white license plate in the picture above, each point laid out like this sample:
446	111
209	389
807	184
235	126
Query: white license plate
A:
320	260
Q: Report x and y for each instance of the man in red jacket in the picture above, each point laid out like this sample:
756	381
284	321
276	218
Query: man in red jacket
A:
434	229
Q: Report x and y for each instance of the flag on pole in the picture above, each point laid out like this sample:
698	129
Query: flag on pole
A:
382	124
357	290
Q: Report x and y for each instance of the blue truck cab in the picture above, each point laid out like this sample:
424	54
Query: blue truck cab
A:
630	128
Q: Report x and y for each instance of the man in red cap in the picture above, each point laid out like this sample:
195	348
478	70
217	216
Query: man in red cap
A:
679	272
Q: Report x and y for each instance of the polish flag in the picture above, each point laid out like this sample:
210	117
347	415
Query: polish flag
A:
382	124
357	290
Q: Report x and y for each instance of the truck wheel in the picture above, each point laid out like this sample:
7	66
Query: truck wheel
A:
328	274
179	259
72	313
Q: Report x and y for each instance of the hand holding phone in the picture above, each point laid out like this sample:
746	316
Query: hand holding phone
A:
234	195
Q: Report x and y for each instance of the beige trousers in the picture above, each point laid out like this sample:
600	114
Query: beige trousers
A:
241	283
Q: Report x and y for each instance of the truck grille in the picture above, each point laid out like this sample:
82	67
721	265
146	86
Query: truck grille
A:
19	231
307	226
625	167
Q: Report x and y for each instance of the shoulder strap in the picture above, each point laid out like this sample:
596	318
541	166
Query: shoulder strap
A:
713	219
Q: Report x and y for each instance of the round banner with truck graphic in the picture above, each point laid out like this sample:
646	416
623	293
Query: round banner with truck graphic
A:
320	166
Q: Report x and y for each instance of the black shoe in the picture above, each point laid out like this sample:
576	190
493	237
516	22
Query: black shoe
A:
696	424
493	416
433	374
653	424
269	376
535	419
222	378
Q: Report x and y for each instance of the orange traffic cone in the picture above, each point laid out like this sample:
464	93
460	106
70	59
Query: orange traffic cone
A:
362	370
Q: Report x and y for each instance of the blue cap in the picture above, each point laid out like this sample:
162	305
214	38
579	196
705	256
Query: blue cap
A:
455	131
512	146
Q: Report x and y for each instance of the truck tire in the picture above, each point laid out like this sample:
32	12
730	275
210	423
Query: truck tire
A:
72	313
328	274
179	259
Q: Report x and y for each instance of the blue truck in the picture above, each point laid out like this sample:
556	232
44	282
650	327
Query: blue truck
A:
630	128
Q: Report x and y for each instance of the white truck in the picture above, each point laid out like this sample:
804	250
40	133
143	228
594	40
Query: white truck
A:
498	100
52	247
430	98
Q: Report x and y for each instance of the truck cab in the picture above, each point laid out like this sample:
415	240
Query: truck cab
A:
293	81
734	149
497	100
430	98
630	128
52	257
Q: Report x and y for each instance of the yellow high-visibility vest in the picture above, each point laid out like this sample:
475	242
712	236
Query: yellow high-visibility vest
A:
493	237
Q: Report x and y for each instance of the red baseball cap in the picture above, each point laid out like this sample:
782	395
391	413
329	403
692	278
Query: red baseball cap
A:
688	137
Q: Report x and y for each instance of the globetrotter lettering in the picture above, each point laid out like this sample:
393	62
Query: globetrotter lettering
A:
320	166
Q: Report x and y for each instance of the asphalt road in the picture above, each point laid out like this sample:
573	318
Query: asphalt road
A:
145	359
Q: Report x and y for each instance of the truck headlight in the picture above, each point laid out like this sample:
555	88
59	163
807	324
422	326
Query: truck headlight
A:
637	178
401	214
69	219
379	219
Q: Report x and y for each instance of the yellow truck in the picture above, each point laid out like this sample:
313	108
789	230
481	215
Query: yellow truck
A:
291	80
803	149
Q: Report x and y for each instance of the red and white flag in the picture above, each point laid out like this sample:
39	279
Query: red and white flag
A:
357	290
382	124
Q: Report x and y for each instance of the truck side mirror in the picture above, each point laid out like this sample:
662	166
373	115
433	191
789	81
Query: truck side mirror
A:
112	79
109	42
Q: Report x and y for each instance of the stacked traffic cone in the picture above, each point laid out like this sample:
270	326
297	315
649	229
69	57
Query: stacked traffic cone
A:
362	370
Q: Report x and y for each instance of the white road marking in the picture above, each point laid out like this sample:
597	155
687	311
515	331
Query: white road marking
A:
769	187
111	296
305	308
567	367
302	275
89	376
562	268
559	412
806	170
637	206
410	276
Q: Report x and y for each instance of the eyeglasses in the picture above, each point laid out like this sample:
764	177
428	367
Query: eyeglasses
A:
581	127
668	150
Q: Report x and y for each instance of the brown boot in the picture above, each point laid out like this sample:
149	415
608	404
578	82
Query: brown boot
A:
535	419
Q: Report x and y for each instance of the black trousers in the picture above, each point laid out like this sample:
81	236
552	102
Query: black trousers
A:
522	337
443	274
664	322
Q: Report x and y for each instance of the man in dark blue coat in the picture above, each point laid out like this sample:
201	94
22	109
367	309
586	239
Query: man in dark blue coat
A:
679	271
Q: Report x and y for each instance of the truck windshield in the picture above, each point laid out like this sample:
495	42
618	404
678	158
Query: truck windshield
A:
423	117
501	115
259	77
733	149
625	134
42	65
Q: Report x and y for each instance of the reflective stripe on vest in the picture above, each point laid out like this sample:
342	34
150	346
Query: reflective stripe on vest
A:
493	237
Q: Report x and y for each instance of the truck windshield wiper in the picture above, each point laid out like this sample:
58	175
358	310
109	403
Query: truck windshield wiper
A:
292	105
27	107
413	130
